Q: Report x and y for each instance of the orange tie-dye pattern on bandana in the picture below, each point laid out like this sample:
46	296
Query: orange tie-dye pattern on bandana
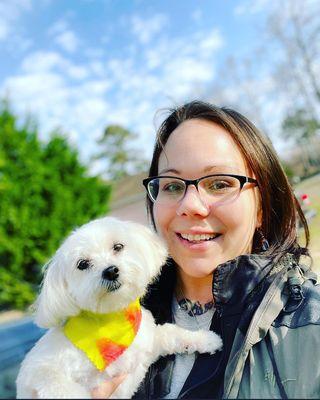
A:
109	350
104	337
134	317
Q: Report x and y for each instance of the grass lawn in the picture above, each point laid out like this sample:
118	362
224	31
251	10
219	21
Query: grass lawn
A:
311	187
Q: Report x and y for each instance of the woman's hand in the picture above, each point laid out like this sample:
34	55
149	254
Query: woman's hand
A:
105	390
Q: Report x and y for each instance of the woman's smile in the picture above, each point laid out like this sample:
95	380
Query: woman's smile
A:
199	242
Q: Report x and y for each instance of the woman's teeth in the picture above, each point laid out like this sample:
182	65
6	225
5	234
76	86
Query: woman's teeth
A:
198	238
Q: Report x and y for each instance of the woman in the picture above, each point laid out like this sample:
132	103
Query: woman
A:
218	196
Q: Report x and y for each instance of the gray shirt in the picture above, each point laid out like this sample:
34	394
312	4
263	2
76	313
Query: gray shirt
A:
184	362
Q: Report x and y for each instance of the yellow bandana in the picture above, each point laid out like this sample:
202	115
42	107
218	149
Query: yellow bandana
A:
104	337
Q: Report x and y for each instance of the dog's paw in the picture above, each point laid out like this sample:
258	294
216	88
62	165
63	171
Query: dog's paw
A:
204	342
211	343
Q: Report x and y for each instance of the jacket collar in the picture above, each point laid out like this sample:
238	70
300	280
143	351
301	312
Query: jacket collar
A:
232	282
235	279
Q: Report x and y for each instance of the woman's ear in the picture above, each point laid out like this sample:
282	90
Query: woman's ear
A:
259	218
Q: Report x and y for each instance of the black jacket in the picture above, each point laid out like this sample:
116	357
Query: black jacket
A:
238	288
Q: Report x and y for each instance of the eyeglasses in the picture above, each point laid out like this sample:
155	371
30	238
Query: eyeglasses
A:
218	188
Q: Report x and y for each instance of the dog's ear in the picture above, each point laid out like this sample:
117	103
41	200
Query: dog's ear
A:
54	303
153	249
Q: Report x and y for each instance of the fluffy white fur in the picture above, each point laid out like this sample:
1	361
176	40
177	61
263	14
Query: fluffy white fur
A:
55	368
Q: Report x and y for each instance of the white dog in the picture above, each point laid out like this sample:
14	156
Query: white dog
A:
90	300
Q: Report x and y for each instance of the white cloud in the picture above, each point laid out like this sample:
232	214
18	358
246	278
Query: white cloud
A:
211	42
183	64
10	12
77	72
35	87
146	29
42	61
59	26
252	7
68	41
4	29
185	71
63	35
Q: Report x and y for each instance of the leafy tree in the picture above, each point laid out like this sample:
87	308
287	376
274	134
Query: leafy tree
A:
120	158
289	171
44	192
300	126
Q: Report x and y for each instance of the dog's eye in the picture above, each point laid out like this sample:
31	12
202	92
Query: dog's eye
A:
83	264
118	247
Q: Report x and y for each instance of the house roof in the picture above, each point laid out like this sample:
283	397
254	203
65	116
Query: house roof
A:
128	190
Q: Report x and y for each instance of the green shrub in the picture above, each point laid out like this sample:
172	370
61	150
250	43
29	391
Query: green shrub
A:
45	191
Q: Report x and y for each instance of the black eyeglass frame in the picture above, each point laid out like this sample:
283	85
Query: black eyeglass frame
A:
241	178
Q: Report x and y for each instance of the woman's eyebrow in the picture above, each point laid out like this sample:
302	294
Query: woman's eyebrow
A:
221	168
208	169
173	170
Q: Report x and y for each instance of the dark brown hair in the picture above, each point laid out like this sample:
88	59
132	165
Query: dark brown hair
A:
280	208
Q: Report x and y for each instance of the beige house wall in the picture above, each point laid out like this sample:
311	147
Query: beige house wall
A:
136	212
128	200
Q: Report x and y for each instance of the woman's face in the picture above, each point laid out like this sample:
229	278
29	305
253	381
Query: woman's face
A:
197	148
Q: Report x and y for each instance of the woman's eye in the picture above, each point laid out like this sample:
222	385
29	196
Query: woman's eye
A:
217	186
173	188
118	247
83	264
221	185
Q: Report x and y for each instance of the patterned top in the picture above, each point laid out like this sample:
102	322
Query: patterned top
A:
195	308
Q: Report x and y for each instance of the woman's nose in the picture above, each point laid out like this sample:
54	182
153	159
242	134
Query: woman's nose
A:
192	204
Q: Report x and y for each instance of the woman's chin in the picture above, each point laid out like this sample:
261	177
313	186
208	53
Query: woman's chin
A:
198	271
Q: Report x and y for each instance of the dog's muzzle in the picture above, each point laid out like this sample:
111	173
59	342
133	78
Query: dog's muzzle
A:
110	277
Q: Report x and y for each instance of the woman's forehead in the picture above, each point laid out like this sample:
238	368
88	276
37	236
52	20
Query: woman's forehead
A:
203	146
207	170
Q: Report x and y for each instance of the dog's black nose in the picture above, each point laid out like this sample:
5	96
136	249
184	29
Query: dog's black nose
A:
111	273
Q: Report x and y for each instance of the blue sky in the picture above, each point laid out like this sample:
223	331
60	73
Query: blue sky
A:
82	64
